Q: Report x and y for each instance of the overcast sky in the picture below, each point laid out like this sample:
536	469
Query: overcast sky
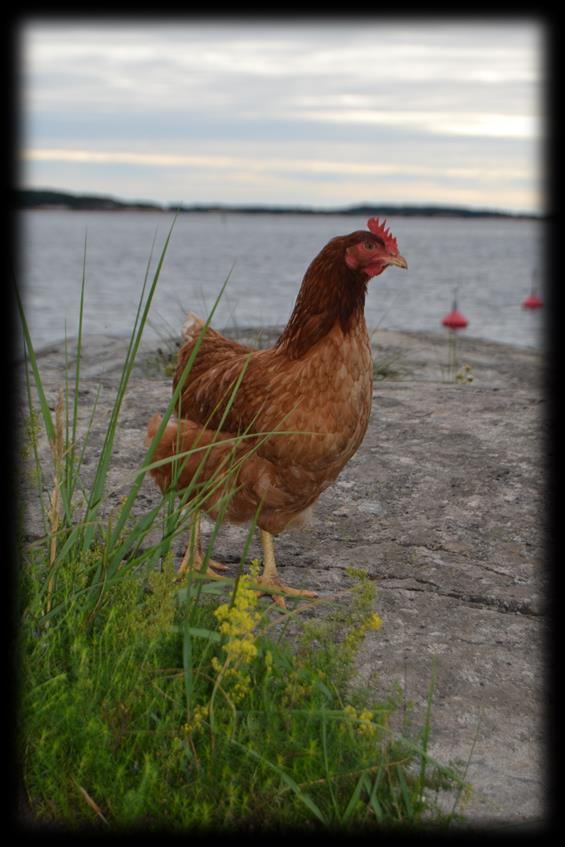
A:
326	113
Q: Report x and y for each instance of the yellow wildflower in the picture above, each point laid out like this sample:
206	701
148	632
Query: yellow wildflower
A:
353	638
375	621
200	712
363	720
366	726
243	649
237	624
294	690
238	621
241	688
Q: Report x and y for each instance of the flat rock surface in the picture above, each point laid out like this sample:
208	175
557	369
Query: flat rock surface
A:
444	505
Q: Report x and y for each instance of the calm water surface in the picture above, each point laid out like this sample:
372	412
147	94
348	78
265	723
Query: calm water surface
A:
491	262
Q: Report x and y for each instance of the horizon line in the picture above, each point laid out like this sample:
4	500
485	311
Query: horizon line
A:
55	196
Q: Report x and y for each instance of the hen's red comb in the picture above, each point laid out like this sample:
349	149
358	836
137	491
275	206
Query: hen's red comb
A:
380	229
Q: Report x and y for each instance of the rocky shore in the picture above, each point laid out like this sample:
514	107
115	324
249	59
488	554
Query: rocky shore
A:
444	506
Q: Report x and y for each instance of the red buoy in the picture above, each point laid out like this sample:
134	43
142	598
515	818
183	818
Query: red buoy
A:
532	301
455	320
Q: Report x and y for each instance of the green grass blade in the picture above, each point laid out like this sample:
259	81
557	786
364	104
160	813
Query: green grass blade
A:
404	792
372	791
135	340
139	312
126	508
43	404
286	778
87	435
187	666
426	731
33	437
79	349
207	634
353	801
327	767
463	778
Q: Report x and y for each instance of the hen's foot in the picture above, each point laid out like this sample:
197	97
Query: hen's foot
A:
193	558
277	589
269	580
197	565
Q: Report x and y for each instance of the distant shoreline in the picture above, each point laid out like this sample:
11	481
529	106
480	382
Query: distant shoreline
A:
111	346
54	200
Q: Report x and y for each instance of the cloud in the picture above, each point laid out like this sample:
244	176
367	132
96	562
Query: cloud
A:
438	123
279	165
353	100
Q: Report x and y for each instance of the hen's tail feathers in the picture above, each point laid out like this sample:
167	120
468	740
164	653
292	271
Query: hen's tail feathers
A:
200	457
191	327
179	437
215	464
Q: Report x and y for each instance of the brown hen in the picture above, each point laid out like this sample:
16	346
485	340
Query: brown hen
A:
314	387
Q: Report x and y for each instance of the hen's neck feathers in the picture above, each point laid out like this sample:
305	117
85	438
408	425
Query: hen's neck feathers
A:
330	292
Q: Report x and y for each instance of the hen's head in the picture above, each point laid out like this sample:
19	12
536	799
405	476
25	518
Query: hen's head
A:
335	285
373	251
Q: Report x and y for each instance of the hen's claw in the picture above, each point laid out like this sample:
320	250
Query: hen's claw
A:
193	558
211	566
276	588
269	579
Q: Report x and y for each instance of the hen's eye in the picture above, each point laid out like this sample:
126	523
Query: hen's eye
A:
369	245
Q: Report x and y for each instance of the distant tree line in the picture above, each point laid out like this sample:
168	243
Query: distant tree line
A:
33	199
27	198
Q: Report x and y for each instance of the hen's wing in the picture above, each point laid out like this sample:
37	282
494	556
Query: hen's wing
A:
214	348
214	373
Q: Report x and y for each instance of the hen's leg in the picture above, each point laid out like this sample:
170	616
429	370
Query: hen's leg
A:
193	557
269	579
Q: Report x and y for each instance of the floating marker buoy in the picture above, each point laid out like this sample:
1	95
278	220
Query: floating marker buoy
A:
455	320
532	301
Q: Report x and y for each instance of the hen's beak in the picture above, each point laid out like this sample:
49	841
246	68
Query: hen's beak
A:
399	261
